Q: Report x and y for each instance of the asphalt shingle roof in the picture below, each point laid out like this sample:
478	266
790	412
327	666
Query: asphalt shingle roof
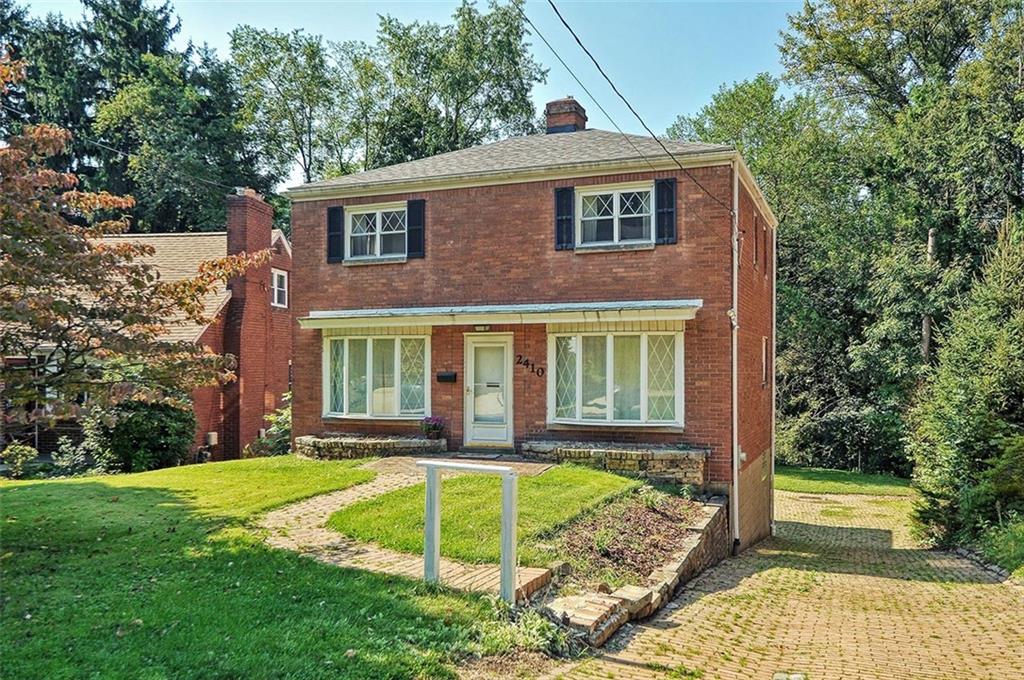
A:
534	152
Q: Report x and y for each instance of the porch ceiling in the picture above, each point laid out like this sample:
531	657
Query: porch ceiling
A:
548	312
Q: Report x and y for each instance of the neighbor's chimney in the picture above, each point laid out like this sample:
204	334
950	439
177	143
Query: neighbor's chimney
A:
565	115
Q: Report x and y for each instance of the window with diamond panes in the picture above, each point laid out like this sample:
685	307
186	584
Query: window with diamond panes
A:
377	377
615	216
617	377
377	233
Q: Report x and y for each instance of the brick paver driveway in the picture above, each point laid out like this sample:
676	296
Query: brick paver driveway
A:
842	591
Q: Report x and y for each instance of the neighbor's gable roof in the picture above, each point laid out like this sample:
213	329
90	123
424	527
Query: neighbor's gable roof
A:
178	256
534	157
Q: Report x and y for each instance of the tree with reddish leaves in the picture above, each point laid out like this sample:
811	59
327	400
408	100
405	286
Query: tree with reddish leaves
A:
81	314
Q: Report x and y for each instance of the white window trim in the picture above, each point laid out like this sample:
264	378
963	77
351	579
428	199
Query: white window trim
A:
377	208
325	389
617	190
610	381
274	273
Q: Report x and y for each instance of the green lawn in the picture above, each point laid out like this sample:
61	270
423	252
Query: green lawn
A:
817	480
157	575
471	513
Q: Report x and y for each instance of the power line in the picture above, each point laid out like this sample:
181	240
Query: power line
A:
633	110
584	87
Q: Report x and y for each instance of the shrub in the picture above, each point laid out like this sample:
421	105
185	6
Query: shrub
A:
18	456
969	418
278	440
69	459
136	436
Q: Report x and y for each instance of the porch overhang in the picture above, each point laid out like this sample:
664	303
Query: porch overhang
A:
470	315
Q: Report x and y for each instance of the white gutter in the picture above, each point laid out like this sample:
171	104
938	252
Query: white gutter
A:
734	497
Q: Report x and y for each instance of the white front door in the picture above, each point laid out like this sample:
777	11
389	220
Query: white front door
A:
488	392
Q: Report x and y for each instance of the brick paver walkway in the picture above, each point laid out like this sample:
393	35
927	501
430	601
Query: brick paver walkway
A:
843	591
301	527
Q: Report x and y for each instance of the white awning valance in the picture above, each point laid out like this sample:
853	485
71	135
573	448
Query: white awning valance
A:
546	312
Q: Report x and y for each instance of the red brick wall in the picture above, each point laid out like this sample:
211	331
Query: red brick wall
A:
208	402
755	395
495	244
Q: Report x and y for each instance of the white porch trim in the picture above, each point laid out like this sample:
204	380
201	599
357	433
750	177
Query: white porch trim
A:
551	312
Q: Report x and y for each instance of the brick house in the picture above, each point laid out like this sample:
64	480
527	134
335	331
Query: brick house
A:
574	286
251	319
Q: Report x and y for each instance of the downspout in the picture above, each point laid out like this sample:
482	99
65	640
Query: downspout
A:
775	269
734	497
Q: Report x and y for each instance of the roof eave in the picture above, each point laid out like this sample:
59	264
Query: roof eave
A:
512	176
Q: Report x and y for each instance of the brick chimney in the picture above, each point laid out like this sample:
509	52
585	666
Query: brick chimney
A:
565	115
249	226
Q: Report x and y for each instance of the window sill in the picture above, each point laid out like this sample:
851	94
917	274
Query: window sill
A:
400	419
359	262
277	306
612	247
583	425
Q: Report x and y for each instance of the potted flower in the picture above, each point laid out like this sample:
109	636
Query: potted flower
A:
432	427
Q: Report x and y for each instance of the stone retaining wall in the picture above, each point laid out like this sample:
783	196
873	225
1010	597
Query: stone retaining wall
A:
335	447
596	616
657	463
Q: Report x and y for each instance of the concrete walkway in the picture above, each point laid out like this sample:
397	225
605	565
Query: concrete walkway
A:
301	527
843	591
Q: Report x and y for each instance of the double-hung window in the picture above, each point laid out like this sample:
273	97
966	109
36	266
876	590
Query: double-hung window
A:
616	378
278	288
376	377
375	232
612	215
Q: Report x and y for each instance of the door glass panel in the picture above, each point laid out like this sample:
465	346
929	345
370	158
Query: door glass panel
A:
627	377
384	376
489	385
357	376
595	372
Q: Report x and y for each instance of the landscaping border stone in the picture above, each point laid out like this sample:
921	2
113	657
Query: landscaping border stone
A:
596	616
339	447
665	464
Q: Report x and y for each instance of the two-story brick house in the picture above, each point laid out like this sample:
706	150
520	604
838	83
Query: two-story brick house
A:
575	285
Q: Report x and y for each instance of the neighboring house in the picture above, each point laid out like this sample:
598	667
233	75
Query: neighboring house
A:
576	285
251	318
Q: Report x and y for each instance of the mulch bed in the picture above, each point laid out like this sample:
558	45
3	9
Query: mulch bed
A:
626	540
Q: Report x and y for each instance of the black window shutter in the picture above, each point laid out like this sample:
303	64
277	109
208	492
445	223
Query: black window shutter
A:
565	223
665	210
335	234
416	218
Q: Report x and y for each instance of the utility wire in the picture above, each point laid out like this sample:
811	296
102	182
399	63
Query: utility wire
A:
633	110
584	87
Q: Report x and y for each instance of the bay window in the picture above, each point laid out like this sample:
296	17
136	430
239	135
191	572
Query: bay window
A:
376	377
616	378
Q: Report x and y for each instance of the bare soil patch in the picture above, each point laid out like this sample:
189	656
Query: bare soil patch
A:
624	541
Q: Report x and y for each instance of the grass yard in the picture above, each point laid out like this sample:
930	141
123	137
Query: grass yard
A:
817	480
471	513
157	575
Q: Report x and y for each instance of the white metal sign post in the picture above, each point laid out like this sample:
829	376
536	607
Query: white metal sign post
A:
509	519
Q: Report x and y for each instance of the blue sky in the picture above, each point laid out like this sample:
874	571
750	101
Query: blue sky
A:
666	57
